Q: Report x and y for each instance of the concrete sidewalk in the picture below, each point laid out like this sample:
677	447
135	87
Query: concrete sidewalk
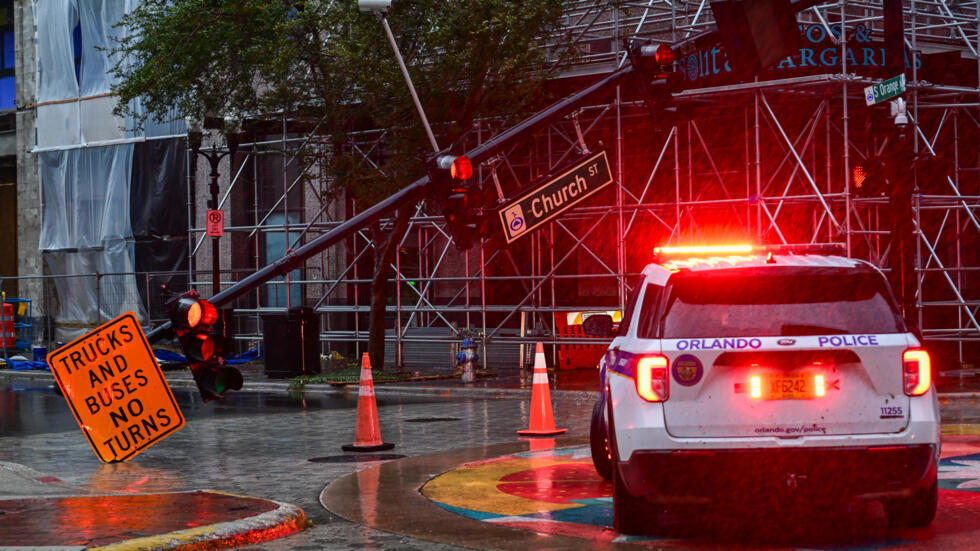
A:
39	511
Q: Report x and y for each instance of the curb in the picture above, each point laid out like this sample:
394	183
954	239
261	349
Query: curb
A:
286	519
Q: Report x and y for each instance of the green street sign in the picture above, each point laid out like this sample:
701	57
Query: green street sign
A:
884	90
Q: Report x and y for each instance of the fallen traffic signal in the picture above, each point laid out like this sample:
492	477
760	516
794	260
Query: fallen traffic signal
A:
650	58
654	63
200	330
462	201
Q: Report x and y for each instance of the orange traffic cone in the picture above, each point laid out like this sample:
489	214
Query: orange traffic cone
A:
367	434
542	420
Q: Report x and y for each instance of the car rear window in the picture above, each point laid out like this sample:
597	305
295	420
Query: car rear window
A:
822	302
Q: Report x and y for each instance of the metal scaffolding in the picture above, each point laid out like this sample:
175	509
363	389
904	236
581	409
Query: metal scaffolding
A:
769	161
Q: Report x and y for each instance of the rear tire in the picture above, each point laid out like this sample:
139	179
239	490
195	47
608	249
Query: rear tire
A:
599	443
916	511
631	515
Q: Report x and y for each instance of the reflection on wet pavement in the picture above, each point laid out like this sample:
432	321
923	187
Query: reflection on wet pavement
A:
94	521
506	496
260	445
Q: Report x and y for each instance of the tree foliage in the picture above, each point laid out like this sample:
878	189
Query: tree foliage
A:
327	63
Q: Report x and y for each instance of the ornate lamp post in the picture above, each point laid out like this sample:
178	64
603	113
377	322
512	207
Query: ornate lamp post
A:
195	135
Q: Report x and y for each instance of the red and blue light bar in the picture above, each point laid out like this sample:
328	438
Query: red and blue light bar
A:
689	251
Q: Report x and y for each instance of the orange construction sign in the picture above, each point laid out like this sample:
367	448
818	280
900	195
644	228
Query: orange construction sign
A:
116	390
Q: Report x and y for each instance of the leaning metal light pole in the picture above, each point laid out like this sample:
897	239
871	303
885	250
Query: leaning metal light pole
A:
412	192
380	8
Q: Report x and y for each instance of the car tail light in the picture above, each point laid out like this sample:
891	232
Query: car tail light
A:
651	378
916	371
755	386
819	388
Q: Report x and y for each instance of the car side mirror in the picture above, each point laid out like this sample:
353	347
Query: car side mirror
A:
598	325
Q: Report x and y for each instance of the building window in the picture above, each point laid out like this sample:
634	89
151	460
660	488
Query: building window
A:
8	85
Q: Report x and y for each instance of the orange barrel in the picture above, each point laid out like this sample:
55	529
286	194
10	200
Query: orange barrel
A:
7	336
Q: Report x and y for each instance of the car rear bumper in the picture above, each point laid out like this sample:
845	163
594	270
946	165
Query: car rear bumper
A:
810	473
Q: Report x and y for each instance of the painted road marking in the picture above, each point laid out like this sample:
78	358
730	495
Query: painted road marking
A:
558	492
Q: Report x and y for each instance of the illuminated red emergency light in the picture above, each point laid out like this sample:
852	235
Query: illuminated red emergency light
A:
743	248
703	250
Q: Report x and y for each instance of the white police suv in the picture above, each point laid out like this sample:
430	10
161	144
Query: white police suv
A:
747	374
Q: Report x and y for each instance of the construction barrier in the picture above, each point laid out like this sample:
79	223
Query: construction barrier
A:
8	336
568	325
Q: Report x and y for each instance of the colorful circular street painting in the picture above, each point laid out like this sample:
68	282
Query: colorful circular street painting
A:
557	491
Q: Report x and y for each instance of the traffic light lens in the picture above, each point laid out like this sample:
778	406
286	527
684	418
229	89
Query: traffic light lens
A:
193	315
198	347
859	176
228	378
209	314
207	348
461	169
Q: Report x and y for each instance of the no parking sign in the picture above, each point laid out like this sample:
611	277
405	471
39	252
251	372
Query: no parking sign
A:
216	223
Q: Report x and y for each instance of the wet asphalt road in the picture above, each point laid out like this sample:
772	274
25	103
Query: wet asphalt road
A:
261	444
37	407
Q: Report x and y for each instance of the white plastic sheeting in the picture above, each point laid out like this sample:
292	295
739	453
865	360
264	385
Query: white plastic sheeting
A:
173	125
95	292
85	231
99	35
88	119
98	18
56	20
86	196
57	124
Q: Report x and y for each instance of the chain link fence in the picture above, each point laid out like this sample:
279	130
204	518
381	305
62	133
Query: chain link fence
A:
53	309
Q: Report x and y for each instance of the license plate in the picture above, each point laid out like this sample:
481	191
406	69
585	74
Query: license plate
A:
798	386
